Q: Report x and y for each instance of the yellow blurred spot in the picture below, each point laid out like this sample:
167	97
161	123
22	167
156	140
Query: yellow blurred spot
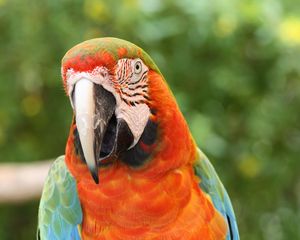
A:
250	10
31	105
249	166
131	3
96	10
289	31
2	2
224	26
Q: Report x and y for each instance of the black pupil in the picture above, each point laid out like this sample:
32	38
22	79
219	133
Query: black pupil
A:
137	66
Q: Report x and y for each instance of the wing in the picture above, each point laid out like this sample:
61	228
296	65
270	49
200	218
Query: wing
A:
60	211
211	184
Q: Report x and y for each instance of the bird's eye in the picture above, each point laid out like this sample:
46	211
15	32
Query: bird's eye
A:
137	67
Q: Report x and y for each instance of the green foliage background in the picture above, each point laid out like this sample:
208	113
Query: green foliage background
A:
233	67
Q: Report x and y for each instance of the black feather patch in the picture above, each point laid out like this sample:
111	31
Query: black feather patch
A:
137	155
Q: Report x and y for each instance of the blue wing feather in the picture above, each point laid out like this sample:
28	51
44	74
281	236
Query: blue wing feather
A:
211	184
60	211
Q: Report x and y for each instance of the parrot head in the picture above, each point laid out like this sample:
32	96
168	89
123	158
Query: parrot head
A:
116	92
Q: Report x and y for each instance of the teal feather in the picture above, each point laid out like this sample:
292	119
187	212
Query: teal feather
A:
211	184
60	211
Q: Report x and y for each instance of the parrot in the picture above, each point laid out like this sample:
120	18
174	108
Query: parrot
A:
132	169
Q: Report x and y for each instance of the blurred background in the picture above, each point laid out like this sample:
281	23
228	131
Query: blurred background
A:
233	67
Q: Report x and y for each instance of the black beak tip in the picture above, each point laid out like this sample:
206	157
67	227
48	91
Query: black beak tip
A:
95	176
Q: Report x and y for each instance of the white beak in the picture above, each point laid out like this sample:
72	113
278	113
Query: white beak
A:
84	104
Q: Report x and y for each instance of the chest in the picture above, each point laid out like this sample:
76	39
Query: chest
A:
130	206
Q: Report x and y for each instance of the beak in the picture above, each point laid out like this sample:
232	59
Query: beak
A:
94	107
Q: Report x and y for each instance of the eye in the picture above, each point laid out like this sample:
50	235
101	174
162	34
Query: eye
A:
137	67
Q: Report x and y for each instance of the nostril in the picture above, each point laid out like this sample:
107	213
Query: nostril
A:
103	74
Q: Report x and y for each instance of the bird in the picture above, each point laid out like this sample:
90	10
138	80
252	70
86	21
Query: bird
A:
132	169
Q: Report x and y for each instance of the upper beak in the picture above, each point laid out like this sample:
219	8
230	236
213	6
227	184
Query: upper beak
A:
94	107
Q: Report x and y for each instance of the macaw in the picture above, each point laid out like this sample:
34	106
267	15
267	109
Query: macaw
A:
131	168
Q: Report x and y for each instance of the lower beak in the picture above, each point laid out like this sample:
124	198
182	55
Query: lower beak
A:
94	107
